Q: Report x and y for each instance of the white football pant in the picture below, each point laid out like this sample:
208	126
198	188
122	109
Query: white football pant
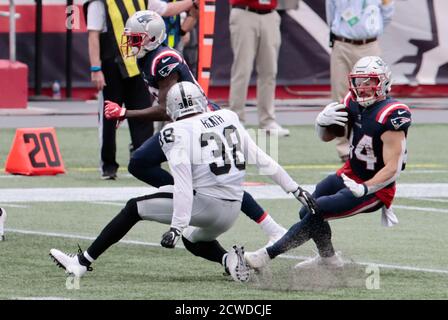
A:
210	217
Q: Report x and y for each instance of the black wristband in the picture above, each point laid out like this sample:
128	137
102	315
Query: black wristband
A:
366	190
182	32
195	4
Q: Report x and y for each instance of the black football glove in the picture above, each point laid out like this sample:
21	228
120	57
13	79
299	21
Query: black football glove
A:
170	238
306	199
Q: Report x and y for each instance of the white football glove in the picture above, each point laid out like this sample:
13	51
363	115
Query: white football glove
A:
358	189
332	115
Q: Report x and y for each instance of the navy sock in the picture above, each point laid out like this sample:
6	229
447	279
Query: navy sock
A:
310	227
251	208
298	234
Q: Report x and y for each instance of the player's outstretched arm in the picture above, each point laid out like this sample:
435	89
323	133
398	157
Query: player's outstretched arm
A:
156	113
271	168
113	111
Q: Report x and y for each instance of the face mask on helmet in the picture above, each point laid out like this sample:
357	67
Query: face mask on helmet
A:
369	81
144	31
183	99
132	42
366	89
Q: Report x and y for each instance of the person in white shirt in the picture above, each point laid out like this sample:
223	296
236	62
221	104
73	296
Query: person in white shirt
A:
207	154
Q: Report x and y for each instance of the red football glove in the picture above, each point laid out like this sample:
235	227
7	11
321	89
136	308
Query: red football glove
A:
113	111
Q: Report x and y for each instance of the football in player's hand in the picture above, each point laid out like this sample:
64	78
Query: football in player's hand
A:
336	130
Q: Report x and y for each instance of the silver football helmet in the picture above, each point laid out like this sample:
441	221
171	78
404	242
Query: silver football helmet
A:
370	80
144	31
185	98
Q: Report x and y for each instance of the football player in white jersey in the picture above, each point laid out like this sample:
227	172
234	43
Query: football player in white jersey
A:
207	154
162	67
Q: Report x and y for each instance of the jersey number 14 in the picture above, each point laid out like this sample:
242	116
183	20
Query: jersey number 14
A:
364	152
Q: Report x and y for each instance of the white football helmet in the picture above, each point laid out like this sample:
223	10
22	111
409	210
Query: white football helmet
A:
370	80
144	31
185	98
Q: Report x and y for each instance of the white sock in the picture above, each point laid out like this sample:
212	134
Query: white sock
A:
2	221
270	227
88	257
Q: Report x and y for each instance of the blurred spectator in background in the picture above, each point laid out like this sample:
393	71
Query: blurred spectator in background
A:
178	27
255	36
119	79
284	5
354	30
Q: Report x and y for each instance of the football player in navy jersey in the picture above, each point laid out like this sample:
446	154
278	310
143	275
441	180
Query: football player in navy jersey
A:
378	127
162	67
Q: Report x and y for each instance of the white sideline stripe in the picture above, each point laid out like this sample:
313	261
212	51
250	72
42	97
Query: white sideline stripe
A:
410	190
419	208
39	298
9	205
109	203
151	244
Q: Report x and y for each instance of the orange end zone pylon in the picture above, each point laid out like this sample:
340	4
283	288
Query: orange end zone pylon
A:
206	33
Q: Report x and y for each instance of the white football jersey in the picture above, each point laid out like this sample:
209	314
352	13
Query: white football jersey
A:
210	144
207	153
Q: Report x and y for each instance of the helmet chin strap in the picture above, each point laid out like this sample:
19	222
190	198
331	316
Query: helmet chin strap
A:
141	53
371	101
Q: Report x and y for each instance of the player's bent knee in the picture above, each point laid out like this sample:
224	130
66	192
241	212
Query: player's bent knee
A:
130	208
134	168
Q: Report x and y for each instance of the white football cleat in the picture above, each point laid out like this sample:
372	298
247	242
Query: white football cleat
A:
69	262
236	265
257	259
275	129
2	223
330	262
275	237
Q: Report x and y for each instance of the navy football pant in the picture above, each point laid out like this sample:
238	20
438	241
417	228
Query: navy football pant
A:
145	166
334	201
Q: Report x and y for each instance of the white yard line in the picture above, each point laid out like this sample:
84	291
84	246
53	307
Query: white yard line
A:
112	194
39	298
151	244
423	171
431	199
381	265
419	208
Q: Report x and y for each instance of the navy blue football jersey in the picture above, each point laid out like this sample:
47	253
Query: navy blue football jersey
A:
159	64
366	125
